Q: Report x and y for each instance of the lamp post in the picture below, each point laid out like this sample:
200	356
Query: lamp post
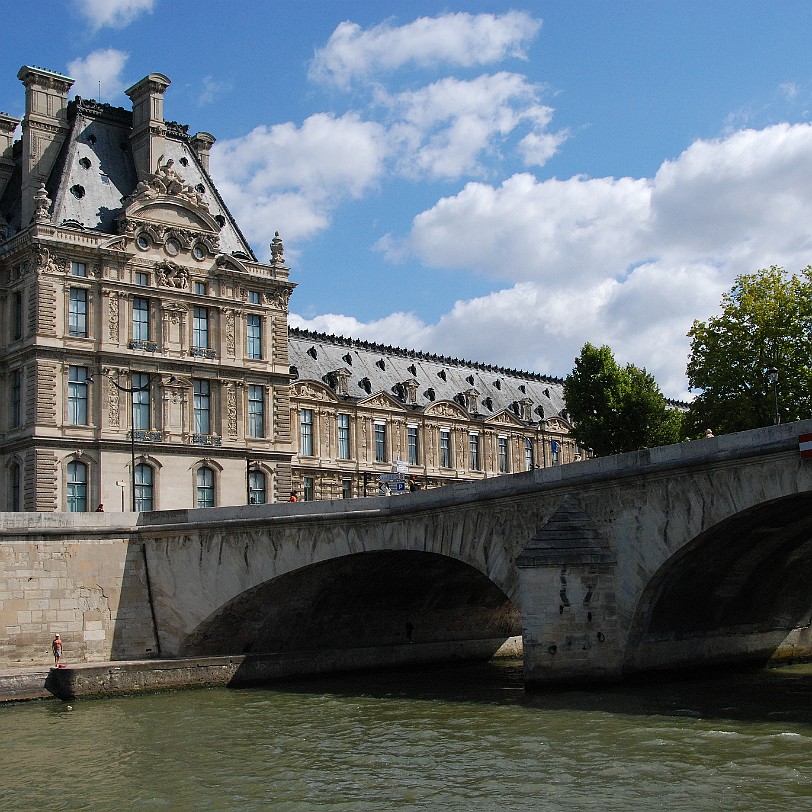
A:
772	376
131	390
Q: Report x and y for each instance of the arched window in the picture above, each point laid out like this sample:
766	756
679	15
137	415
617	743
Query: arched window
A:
256	488
205	487
77	487
143	487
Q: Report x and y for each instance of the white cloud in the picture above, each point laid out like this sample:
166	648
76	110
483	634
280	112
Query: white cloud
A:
98	75
113	13
451	39
291	178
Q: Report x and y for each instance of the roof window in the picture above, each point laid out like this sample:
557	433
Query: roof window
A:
77	191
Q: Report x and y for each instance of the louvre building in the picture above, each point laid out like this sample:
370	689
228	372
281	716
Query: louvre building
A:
146	361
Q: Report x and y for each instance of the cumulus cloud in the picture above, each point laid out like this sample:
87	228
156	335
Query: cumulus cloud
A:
113	13
291	178
451	39
98	75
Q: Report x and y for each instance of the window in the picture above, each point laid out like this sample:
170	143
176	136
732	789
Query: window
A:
503	455
253	297
343	436
256	411
555	447
200	288
142	279
529	460
78	269
346	489
256	488
143	487
306	433
411	443
77	312
140	319
473	445
309	488
17	317
205	488
77	396
139	383
14	481
445	448
16	398
380	441
200	328
202	407
77	487
253	342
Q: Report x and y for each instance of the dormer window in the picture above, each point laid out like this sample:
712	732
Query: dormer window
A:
313	353
366	385
339	380
381	363
410	391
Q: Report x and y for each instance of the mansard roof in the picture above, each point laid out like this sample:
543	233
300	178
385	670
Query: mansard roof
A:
379	368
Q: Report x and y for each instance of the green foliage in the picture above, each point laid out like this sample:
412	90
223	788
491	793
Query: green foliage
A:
766	322
616	409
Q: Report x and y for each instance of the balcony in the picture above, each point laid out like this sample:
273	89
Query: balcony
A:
140	344
147	436
211	440
202	352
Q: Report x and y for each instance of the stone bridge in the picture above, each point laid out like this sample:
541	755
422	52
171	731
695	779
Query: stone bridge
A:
683	556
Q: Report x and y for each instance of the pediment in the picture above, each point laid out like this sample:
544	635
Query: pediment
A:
314	391
446	408
557	424
171	210
505	418
382	401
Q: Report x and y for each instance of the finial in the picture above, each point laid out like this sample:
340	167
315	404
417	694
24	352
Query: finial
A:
42	205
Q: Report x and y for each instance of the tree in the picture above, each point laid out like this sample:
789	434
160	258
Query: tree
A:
765	324
616	409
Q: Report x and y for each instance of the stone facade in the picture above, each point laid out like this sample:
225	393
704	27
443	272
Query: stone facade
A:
146	358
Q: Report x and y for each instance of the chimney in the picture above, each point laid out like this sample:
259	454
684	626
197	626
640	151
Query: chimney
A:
147	136
44	129
7	127
202	144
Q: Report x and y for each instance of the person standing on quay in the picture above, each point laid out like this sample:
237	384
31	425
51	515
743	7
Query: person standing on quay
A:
57	647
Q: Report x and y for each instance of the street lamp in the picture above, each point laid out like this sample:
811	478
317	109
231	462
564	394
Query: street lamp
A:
772	376
131	390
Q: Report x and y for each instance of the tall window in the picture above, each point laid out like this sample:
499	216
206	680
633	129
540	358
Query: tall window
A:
445	448
17	316
380	441
139	382
205	488
200	328
412	446
77	396
256	411
306	433
14	481
202	407
343	436
77	487
77	312
140	319
555	447
309	488
256	488
529	460
16	398
143	487
473	445
253	343
78	269
503	455
346	489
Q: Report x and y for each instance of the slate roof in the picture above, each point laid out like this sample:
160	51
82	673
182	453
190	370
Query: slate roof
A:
375	368
95	172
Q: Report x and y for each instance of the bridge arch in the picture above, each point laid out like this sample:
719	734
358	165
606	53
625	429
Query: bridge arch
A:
734	592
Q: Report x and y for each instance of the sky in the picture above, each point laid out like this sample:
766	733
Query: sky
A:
490	181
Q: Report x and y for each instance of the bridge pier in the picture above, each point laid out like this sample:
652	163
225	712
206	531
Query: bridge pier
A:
567	600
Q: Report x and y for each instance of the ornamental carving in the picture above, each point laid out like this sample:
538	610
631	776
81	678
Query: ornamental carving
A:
231	397
166	181
171	275
230	336
113	322
314	393
446	410
278	299
42	205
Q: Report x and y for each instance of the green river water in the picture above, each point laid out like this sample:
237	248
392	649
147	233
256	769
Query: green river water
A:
462	738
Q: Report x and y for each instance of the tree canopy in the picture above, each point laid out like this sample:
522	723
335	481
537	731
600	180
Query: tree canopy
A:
765	324
616	409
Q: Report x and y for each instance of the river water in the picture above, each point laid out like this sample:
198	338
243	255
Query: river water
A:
461	738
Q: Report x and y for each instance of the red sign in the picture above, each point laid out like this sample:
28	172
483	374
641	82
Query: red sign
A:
805	445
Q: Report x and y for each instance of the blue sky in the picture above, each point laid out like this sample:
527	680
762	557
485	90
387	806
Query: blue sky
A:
492	181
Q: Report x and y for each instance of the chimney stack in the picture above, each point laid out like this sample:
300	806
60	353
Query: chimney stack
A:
202	144
7	127
44	129
147	136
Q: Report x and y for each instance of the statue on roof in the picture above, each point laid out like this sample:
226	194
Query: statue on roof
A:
42	205
277	251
